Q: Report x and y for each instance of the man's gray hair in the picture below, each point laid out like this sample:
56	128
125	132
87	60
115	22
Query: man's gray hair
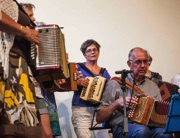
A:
131	51
27	5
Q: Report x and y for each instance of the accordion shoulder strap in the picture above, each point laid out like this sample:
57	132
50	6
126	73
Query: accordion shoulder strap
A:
102	71
84	67
129	85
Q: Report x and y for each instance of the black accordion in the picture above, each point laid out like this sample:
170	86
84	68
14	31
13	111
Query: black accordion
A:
48	59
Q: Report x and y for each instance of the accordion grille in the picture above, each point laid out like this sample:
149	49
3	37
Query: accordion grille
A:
49	52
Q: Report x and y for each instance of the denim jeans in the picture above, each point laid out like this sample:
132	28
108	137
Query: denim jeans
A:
140	131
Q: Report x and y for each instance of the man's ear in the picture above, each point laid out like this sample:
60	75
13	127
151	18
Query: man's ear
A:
129	63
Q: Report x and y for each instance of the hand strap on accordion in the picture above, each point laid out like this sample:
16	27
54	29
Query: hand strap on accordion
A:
130	86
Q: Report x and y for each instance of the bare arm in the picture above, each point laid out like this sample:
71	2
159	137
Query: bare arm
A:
10	26
104	113
47	132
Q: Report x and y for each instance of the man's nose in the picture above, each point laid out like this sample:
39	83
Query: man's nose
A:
143	64
33	19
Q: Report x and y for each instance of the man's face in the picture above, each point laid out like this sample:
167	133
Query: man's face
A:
139	63
30	13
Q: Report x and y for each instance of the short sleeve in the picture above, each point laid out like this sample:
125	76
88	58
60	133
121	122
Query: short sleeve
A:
112	89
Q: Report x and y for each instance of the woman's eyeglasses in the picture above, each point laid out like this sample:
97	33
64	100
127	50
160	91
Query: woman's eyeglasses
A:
91	50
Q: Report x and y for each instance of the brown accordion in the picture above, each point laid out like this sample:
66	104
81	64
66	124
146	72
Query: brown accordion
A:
150	112
49	59
93	92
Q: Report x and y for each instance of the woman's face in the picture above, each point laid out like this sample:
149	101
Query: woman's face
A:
91	53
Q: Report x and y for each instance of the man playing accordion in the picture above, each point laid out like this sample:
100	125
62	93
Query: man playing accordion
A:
112	101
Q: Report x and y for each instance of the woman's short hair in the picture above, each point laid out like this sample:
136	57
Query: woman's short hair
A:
88	43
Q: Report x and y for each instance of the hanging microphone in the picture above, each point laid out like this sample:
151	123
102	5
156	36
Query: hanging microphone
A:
123	71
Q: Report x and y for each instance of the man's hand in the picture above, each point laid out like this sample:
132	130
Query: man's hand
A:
59	82
130	102
30	34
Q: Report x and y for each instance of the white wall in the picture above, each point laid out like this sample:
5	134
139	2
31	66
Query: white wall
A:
118	25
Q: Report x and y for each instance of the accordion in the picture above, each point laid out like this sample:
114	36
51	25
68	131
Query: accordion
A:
48	59
93	92
150	112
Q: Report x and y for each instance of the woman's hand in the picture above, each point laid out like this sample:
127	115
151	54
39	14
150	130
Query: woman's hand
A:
78	75
83	82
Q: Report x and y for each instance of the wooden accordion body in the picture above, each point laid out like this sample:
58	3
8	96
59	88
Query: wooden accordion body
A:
93	92
150	112
48	59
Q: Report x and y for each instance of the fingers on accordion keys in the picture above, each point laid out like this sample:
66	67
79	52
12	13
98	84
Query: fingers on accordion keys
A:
136	97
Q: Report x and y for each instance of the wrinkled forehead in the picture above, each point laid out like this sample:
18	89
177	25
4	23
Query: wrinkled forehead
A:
138	54
28	8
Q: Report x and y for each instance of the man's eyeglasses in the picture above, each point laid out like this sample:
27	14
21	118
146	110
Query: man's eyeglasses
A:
139	62
91	50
